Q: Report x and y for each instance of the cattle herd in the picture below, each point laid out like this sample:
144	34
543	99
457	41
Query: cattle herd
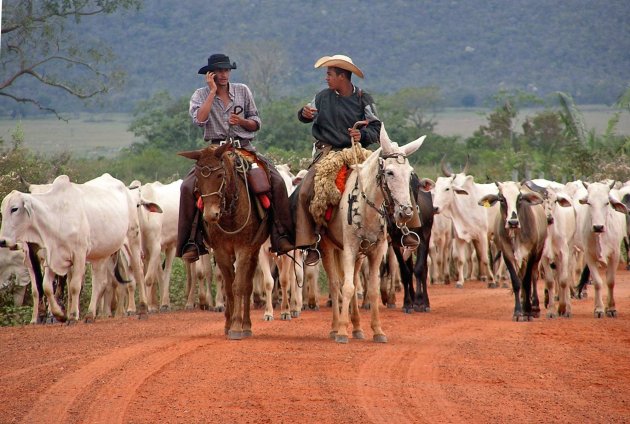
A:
521	232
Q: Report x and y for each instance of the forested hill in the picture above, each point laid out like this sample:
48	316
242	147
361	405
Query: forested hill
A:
470	49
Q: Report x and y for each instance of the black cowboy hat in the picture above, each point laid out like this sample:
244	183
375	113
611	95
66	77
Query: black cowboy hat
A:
217	61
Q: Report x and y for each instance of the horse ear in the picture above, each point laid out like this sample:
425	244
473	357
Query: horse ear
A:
386	143
409	148
193	154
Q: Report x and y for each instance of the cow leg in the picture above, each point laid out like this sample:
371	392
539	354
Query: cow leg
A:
482	250
49	291
459	256
205	283
165	280
550	283
611	310
135	260
264	273
516	288
296	279
563	271
220	295
189	290
421	270
99	281
407	282
597	288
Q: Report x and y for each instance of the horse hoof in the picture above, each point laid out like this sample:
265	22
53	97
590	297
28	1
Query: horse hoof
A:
341	339
332	334
380	338
295	314
247	334
235	335
285	316
459	285
408	310
268	318
358	334
391	306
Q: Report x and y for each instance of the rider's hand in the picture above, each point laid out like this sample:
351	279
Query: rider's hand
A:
211	82
355	134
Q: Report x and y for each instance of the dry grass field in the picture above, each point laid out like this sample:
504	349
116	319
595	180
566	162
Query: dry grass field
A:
96	135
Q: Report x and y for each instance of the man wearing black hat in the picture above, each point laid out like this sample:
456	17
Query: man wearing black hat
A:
227	110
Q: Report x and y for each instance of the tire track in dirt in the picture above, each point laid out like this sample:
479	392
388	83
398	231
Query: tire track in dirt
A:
412	378
100	391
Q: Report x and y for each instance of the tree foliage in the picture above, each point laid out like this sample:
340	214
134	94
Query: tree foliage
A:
37	42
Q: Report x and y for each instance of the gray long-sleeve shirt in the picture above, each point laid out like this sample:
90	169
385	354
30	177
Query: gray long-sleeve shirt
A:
336	113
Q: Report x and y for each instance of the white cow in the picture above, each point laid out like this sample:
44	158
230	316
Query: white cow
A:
159	235
601	230
200	274
440	249
456	197
558	255
14	274
76	223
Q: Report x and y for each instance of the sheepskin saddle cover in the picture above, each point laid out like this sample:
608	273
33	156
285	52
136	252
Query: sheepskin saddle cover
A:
331	173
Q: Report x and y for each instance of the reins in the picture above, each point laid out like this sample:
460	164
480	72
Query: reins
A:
239	167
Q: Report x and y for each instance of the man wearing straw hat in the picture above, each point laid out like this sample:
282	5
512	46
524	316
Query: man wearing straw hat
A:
333	112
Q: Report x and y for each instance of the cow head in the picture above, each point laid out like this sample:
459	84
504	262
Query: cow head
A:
510	198
16	213
445	190
601	200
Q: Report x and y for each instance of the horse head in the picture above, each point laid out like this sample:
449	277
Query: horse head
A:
394	176
215	173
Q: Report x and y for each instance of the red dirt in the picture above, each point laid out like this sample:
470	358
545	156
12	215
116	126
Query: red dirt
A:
465	361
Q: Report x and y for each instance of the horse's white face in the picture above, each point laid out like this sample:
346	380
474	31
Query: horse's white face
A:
397	175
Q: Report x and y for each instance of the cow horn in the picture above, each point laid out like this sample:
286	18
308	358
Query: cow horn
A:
465	170
534	187
443	167
612	184
24	182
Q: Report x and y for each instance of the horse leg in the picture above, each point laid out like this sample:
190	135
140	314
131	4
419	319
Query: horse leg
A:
330	266
372	291
357	332
246	262
224	262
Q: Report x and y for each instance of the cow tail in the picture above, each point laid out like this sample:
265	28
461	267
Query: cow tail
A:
119	269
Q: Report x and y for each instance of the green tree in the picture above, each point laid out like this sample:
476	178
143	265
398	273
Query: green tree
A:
36	43
164	123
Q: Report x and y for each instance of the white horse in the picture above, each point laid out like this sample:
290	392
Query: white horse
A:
357	230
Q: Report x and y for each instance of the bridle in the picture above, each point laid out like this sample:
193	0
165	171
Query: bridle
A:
240	166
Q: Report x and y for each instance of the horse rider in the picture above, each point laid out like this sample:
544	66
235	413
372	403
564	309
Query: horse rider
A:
333	112
213	107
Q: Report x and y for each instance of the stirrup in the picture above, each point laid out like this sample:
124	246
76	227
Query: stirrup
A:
187	249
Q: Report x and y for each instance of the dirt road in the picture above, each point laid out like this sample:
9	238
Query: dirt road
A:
465	361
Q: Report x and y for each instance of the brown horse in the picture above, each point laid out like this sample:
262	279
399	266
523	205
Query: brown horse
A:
233	228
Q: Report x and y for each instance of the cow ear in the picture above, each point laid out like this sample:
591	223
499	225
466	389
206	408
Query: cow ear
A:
563	201
584	200
532	198
151	206
488	200
427	184
28	206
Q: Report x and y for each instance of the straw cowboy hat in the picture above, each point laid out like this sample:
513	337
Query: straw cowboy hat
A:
339	61
217	61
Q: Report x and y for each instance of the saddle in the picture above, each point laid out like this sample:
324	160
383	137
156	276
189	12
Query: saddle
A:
331	174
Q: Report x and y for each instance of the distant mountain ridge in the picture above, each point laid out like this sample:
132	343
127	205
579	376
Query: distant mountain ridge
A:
468	48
